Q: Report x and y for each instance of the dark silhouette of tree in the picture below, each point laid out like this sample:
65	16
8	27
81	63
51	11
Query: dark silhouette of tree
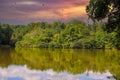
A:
109	9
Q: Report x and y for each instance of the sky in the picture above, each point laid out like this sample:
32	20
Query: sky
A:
24	73
26	11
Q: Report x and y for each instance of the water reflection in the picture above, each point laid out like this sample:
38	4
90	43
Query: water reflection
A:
23	73
68	61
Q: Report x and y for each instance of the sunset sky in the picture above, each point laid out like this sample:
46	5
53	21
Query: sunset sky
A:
26	11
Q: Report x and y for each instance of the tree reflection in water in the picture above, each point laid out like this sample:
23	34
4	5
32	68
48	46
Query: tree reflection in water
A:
59	60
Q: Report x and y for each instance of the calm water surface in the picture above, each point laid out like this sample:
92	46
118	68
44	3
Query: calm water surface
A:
59	64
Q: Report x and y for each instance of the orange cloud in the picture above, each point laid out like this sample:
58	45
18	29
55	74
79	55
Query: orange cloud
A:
73	12
66	13
38	10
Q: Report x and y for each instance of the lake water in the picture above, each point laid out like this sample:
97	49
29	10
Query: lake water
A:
59	64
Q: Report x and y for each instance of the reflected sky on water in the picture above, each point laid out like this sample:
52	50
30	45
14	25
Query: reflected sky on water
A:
59	64
24	73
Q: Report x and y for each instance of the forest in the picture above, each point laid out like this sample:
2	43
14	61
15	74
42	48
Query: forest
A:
72	34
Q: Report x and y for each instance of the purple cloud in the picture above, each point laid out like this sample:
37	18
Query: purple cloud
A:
15	11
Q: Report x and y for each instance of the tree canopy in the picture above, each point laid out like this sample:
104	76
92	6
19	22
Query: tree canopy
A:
108	10
73	34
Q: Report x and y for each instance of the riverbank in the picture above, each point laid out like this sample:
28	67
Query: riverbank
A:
73	34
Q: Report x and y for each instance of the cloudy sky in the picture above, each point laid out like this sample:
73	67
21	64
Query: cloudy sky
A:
23	73
26	11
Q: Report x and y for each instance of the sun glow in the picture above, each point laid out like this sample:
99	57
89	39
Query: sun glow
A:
73	11
39	10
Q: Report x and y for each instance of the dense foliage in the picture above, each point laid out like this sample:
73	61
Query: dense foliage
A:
109	10
73	34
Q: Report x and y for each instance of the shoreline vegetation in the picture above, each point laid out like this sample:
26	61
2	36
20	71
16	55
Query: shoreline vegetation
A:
73	34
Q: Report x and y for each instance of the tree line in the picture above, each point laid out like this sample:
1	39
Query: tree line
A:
73	34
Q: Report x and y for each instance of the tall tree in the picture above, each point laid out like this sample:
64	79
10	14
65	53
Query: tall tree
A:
105	9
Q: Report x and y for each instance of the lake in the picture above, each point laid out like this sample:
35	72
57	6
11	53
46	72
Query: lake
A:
59	64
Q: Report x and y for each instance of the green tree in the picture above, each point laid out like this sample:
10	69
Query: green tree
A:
101	9
109	10
5	34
